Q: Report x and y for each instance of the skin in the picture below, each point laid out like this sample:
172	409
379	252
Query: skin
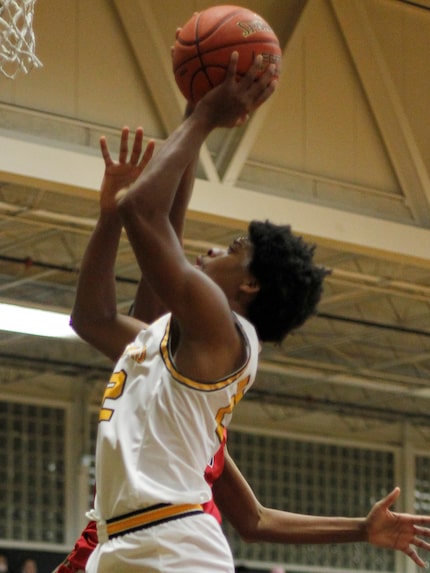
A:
196	296
150	199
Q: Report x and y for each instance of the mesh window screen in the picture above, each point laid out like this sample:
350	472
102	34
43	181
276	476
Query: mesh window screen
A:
422	485
313	478
32	460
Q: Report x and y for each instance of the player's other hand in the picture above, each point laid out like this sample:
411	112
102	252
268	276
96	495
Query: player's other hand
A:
399	531
121	174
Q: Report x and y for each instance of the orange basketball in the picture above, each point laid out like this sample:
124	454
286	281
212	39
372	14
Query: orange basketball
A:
202	50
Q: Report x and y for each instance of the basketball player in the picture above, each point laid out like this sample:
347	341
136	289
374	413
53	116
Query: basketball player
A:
176	383
251	519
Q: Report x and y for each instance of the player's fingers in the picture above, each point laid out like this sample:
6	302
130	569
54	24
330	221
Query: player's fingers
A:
421	543
412	554
422	531
253	71
137	146
123	147
268	75
147	154
105	151
421	520
232	66
266	93
389	499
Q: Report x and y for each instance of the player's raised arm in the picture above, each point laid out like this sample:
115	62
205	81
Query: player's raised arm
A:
200	305
147	304
94	315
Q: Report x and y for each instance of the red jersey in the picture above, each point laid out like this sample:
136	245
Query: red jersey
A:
213	471
78	557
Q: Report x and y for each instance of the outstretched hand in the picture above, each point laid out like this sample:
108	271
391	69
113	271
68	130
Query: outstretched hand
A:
398	531
121	174
230	103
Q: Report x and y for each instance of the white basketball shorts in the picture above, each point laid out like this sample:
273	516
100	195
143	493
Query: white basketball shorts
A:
192	544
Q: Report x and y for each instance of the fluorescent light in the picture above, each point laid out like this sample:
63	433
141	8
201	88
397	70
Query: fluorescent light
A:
35	321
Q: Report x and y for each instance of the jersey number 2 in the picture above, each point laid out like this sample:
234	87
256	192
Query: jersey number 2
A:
114	390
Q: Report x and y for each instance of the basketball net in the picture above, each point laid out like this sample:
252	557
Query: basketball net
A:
17	42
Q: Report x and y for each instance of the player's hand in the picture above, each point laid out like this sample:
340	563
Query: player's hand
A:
121	174
399	531
230	103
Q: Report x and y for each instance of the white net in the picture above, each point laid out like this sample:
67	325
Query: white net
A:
17	43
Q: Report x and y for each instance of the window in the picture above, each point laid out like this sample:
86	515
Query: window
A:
313	478
32	460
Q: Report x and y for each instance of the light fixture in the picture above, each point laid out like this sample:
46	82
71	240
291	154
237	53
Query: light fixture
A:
35	321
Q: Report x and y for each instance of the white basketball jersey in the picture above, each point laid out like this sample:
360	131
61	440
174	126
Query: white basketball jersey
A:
158	428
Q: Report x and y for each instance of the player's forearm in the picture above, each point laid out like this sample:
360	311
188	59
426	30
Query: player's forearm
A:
182	198
147	304
185	188
284	527
95	294
254	522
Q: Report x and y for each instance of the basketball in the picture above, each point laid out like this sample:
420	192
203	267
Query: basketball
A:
203	47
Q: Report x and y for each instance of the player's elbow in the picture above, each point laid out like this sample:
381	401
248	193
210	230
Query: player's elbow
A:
88	325
82	326
249	528
248	533
77	322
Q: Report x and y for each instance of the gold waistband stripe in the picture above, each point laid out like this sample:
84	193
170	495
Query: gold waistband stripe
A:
150	516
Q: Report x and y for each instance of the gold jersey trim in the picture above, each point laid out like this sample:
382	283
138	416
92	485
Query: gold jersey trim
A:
196	385
148	517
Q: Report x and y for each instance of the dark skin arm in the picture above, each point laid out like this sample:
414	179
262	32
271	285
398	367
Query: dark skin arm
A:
255	522
94	314
208	344
147	304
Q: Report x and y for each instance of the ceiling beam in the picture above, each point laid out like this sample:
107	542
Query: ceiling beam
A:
154	61
257	121
386	104
78	170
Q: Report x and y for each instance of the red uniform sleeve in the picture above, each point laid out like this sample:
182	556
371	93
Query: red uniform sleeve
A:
213	471
78	557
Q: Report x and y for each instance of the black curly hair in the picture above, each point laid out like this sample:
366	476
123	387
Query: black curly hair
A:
290	282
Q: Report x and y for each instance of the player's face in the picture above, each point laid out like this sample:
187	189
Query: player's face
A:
228	267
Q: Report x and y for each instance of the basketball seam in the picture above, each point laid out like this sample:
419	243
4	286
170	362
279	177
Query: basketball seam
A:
199	55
